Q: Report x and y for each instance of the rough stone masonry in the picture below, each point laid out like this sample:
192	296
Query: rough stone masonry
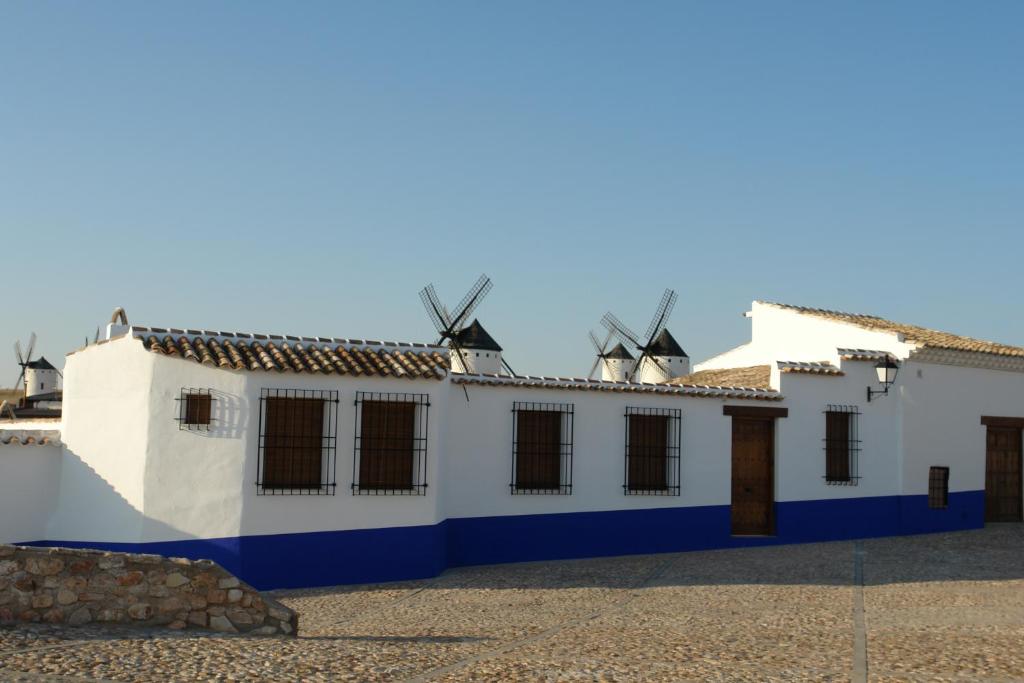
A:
76	587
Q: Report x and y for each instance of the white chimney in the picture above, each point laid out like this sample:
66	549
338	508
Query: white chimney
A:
118	323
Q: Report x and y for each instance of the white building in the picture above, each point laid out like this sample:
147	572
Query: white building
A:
301	461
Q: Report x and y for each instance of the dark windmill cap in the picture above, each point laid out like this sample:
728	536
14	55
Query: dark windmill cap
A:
41	364
666	345
619	352
475	337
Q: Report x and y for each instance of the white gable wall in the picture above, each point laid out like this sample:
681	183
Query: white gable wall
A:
783	334
105	436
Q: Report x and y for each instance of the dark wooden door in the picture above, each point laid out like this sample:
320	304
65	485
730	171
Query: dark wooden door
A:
752	475
1003	475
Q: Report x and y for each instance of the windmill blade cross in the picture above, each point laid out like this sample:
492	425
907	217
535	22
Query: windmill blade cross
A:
598	346
625	335
436	311
664	310
31	347
469	302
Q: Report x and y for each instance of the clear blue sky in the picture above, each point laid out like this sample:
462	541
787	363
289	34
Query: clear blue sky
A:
307	167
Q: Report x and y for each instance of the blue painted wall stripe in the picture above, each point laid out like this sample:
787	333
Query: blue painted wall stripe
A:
326	558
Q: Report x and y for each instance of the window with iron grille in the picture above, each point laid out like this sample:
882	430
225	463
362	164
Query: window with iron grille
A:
652	451
298	442
390	452
194	409
542	436
938	487
842	445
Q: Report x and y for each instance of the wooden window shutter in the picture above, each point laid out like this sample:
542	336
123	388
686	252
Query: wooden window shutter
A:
386	440
837	446
197	409
648	452
293	443
538	449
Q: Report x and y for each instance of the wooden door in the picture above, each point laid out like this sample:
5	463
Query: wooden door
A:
1003	475
752	476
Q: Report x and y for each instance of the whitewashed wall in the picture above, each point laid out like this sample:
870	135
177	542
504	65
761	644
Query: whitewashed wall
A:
129	474
781	334
800	456
942	407
219	468
477	469
106	437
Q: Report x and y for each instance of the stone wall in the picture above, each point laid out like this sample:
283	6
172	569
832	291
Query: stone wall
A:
75	587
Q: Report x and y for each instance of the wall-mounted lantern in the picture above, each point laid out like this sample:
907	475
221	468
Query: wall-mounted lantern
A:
886	370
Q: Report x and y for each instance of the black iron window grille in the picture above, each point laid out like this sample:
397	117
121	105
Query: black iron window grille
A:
195	407
298	442
652	451
842	445
390	444
938	487
542	435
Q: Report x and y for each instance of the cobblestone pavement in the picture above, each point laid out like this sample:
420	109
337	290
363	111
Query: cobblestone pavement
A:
924	608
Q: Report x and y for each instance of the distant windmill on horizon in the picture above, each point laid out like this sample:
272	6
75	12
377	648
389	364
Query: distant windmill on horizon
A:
472	349
661	358
37	376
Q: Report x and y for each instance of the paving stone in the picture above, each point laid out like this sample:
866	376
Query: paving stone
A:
947	607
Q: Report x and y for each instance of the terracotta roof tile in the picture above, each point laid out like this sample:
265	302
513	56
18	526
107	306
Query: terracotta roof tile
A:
761	394
862	354
314	355
753	377
809	368
914	334
34	438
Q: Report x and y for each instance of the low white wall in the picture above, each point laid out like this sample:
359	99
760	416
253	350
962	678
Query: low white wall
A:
29	478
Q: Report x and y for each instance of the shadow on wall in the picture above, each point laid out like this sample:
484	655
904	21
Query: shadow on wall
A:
89	508
229	417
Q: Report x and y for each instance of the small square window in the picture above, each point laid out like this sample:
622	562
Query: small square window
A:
938	487
194	409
